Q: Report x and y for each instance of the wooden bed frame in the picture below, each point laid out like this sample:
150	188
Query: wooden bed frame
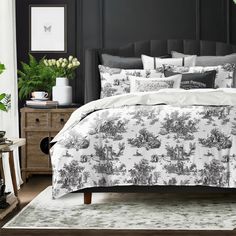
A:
88	198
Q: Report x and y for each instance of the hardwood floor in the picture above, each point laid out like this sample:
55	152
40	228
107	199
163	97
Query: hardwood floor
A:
36	184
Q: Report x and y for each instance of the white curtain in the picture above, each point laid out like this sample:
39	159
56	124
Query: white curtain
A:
8	82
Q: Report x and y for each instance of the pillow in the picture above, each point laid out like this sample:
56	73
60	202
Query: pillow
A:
196	80
139	84
224	73
124	62
155	62
208	60
115	81
121	62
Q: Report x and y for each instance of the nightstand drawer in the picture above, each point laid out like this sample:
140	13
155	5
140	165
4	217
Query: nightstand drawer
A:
59	119
36	120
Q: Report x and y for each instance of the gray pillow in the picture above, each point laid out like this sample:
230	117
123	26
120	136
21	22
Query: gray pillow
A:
121	62
209	60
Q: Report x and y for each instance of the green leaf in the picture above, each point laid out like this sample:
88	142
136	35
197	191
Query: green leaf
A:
2	68
2	107
26	68
2	96
32	61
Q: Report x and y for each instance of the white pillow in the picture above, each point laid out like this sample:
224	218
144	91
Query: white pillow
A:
140	84
150	63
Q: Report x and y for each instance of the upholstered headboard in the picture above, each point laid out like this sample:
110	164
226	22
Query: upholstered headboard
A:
152	48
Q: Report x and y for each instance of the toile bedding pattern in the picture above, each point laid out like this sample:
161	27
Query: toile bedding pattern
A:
158	138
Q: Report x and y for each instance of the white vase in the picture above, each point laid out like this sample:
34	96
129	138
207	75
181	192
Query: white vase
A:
62	92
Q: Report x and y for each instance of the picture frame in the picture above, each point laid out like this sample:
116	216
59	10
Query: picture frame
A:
48	28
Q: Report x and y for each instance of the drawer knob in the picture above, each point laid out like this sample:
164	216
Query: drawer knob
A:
37	120
62	121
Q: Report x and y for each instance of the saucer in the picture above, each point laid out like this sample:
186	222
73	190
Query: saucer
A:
39	99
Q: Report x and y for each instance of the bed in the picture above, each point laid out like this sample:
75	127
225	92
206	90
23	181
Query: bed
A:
149	141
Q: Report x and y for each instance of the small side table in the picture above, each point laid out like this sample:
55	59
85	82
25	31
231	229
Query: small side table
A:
19	142
9	149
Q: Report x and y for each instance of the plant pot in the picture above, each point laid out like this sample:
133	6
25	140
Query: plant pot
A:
62	92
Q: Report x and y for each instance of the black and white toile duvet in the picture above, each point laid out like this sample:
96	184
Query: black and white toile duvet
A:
169	137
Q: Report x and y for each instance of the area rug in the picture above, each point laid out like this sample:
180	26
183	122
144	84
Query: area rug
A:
148	211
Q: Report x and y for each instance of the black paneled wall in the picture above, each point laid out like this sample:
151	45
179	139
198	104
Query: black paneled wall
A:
114	23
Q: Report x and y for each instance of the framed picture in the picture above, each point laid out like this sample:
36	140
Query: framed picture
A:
48	28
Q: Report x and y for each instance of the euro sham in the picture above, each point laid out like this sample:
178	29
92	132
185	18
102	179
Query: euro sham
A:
121	62
208	60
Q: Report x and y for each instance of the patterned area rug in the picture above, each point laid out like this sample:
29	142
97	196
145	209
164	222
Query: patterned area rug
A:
127	211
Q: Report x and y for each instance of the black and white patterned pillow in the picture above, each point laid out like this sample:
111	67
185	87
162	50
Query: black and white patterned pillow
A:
139	84
116	81
224	73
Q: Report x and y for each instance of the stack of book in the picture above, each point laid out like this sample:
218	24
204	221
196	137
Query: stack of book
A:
41	104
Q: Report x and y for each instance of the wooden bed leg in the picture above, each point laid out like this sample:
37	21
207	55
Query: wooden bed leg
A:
87	198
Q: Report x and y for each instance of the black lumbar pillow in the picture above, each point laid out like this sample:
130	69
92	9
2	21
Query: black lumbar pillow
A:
195	80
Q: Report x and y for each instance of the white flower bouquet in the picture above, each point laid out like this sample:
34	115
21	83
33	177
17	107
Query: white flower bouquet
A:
63	67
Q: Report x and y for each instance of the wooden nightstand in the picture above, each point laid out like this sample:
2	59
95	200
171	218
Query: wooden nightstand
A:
39	126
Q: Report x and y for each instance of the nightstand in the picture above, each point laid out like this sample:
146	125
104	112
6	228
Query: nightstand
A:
39	126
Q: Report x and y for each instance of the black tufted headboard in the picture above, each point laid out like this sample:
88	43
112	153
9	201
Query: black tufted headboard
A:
152	48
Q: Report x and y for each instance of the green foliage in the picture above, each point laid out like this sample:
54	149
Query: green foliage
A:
2	106
5	102
5	99
34	76
2	68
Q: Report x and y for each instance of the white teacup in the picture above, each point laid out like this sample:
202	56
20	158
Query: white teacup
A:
39	95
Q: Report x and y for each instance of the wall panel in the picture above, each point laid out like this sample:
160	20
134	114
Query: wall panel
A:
113	23
130	20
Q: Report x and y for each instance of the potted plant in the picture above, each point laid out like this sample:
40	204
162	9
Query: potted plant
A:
62	69
34	76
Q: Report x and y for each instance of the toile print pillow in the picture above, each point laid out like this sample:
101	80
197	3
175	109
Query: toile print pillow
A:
139	84
116	81
224	73
155	62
